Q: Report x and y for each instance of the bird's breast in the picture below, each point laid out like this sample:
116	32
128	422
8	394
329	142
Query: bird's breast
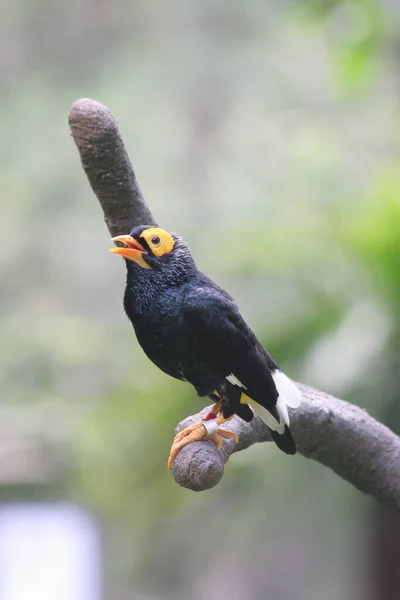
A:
167	341
160	332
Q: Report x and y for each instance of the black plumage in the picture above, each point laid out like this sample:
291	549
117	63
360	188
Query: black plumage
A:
192	329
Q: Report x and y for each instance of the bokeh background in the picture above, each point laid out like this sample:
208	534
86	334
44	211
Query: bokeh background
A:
267	134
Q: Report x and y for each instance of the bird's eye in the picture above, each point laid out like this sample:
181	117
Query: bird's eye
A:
155	240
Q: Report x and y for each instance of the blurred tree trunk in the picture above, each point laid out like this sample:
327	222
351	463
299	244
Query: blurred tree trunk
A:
385	555
385	540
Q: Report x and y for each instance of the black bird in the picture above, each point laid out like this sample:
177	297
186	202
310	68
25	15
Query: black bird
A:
192	330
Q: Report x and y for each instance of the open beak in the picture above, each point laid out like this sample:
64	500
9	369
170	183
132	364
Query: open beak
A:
131	250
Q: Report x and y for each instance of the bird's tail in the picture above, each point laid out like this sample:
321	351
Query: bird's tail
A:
278	419
284	441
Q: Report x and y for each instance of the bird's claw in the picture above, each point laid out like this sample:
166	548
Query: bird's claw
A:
223	434
188	431
195	433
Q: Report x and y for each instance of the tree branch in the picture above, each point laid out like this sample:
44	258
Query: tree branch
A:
107	166
335	433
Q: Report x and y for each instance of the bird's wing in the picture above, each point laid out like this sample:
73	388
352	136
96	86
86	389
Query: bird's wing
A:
229	348
227	344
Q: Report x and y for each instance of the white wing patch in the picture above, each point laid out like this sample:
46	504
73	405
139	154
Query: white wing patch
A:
281	407
235	381
266	416
289	395
287	390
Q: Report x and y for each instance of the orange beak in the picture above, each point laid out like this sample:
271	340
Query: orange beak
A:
131	250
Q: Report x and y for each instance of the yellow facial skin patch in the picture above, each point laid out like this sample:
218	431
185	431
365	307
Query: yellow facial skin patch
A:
159	241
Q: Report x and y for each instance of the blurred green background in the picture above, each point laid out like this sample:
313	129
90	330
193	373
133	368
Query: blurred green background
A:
267	134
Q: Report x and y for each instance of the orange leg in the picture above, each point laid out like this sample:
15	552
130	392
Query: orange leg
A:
216	409
207	430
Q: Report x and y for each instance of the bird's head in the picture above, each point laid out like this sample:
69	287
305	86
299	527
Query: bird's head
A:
154	249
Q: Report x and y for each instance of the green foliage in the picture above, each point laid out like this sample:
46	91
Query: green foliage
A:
372	233
358	29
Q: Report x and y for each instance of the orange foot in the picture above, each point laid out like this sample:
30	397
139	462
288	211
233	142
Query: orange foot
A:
207	430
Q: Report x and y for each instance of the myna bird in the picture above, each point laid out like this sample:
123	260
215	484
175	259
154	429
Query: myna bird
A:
192	330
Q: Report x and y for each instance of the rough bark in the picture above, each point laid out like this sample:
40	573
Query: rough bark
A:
107	166
335	433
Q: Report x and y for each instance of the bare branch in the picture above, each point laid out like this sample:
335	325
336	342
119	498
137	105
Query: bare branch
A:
335	433
107	166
